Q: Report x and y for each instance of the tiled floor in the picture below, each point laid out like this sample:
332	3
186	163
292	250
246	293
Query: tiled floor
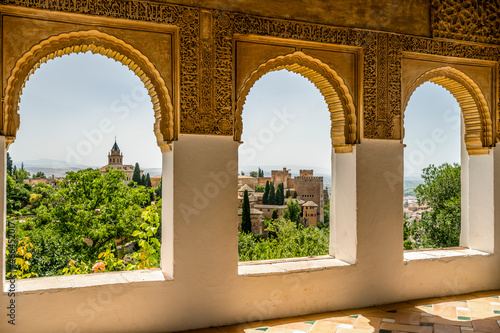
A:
476	312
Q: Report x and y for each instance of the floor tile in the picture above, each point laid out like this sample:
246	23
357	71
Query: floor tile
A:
486	325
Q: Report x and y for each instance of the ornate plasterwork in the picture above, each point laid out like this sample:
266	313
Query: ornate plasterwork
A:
382	53
95	42
477	117
329	83
472	20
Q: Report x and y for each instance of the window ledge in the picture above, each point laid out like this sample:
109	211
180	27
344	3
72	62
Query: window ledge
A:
283	266
434	254
85	280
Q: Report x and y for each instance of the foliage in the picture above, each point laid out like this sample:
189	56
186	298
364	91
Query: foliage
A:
136	176
260	172
289	242
21	267
246	221
441	191
287	195
254	174
259	188
293	212
158	190
39	174
280	194
294	194
272	194
265	197
147	181
9	164
148	255
275	214
326	213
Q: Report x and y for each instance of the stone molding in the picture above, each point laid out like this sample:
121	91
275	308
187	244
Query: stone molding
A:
207	66
95	42
479	135
329	83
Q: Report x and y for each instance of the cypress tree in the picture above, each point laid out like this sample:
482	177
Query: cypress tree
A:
272	194
246	220
136	176
143	180
261	172
295	194
280	194
287	194
147	183
265	197
9	164
275	214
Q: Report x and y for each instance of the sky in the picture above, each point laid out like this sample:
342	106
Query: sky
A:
73	106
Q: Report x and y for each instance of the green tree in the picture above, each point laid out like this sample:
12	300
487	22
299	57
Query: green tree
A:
136	176
288	242
441	191
246	220
93	207
254	174
9	164
292	212
143	180
294	194
280	194
260	172
275	214
265	197
326	213
147	182
259	188
39	174
158	190
287	195
272	194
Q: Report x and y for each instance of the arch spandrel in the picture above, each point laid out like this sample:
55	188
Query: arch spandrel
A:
340	102
479	133
98	43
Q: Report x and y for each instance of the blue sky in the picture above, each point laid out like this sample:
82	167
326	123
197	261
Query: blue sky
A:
73	106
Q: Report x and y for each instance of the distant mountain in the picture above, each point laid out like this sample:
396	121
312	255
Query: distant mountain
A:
46	162
58	168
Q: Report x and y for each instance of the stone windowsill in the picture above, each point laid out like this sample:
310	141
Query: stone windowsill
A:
291	265
86	280
435	254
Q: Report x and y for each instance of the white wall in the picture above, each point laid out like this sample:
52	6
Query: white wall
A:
206	289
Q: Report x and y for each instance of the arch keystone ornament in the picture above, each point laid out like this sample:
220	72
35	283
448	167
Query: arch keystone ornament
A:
98	43
340	102
479	133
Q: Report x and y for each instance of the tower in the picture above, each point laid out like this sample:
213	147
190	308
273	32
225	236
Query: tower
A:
115	157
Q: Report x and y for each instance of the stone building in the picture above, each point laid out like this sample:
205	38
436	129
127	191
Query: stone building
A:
256	218
198	61
310	214
310	188
115	162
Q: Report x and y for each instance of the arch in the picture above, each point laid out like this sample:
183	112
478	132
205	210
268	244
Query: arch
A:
479	133
330	84
98	43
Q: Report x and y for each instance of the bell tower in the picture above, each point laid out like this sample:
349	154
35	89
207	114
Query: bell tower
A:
115	157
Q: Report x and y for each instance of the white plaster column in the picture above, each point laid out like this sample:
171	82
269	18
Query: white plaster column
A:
343	207
167	212
379	187
201	178
481	202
